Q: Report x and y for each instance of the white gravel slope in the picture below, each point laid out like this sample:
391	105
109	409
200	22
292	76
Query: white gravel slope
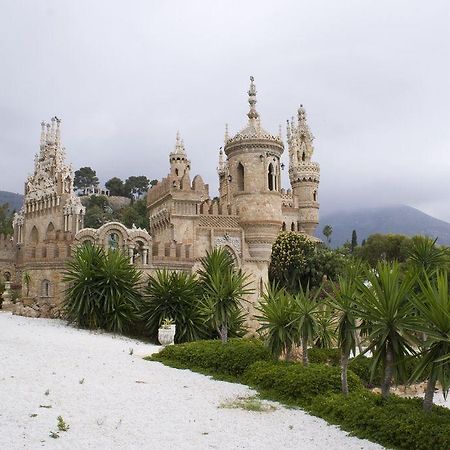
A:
125	402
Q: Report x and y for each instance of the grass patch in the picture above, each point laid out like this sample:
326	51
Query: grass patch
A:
249	404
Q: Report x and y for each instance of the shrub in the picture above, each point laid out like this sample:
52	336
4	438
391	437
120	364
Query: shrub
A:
176	296
397	422
331	356
296	383
231	358
361	366
102	289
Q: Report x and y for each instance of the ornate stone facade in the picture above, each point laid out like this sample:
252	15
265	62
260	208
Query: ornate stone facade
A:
184	222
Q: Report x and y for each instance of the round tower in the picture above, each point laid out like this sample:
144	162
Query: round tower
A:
179	163
304	174
254	181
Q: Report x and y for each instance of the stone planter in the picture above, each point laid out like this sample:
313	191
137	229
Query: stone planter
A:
166	336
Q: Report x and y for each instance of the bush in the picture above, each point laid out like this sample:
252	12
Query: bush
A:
231	358
398	422
174	295
296	383
361	365
102	289
331	356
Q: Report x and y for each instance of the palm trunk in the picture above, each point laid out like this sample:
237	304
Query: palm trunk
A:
389	371
429	394
305	351
223	333
344	365
358	341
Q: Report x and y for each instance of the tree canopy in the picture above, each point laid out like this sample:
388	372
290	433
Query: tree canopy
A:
85	177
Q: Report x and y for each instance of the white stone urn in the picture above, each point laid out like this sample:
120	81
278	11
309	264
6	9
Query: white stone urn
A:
7	304
166	335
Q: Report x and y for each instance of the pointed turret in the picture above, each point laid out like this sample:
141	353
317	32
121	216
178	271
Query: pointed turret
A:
179	164
304	174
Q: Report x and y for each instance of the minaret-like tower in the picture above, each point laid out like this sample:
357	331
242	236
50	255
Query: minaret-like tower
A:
253	176
179	163
304	174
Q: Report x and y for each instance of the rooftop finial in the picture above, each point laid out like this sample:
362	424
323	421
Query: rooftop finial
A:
42	133
252	114
179	144
58	130
226	133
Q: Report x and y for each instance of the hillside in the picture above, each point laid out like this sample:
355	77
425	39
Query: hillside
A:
400	219
14	200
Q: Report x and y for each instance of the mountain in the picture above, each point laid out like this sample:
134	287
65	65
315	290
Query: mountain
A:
14	200
400	219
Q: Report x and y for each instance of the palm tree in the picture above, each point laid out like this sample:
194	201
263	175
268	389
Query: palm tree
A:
384	305
433	306
277	319
225	287
342	299
103	289
307	307
327	232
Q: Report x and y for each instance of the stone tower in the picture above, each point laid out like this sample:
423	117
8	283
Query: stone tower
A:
252	174
179	164
50	217
304	174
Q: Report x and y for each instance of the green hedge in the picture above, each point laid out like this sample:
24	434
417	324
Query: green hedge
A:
231	358
361	366
330	356
397	423
296	383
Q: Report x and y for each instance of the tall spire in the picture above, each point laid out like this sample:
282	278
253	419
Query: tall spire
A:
179	145
252	114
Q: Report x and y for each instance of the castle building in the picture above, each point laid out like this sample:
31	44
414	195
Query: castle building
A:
184	222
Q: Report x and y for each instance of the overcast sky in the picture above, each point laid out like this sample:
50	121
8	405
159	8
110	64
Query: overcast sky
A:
124	76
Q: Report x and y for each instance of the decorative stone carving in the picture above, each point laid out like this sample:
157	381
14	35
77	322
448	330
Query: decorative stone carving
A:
227	240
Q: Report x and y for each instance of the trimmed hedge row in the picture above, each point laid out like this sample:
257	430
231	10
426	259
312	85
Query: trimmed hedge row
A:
398	422
296	383
231	358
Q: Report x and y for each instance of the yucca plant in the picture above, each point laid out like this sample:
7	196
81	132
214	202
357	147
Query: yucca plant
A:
224	288
426	256
385	307
277	319
103	289
326	326
342	300
433	306
175	295
307	306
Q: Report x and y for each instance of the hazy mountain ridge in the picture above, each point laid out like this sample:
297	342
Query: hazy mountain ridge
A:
14	201
398	219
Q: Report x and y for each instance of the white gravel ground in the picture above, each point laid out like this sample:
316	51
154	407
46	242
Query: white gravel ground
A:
112	399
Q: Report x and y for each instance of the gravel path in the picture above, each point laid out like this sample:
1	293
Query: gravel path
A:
114	400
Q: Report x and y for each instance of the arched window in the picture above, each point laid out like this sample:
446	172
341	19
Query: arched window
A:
240	177
113	241
315	196
303	156
50	234
45	288
283	227
34	235
292	226
176	172
271	177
